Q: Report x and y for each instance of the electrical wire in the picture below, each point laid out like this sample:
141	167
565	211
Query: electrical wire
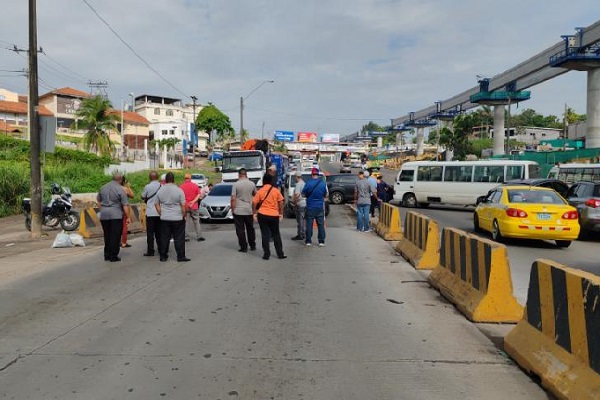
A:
135	52
315	117
75	73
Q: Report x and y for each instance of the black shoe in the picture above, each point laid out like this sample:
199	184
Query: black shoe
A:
252	248
282	257
243	250
185	259
106	259
265	257
297	238
200	239
148	254
187	240
116	259
163	259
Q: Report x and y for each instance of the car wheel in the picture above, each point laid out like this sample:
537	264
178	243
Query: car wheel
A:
563	243
476	227
409	200
496	235
337	198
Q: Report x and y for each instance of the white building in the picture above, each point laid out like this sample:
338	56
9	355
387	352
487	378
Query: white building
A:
169	118
532	136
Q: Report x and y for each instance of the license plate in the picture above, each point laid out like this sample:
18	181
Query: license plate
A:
543	216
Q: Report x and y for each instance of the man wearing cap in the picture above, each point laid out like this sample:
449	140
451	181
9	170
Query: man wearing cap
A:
300	207
272	170
192	195
315	192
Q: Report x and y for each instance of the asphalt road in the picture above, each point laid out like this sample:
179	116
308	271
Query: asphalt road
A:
348	321
522	253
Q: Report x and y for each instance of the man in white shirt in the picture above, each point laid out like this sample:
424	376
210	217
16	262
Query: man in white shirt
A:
300	207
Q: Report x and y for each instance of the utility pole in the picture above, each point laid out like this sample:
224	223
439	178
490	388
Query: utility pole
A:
241	118
34	128
195	132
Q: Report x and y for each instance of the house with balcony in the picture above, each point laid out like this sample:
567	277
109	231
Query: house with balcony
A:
13	114
169	118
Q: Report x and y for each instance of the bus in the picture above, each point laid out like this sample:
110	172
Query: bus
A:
420	183
571	173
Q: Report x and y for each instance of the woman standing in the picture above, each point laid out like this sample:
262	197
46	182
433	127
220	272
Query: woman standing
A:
267	208
129	193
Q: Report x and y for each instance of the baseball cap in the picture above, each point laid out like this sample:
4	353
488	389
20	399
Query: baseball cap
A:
163	177
299	173
367	173
187	176
314	171
273	167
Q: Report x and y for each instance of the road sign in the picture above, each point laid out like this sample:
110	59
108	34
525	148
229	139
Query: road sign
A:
284	136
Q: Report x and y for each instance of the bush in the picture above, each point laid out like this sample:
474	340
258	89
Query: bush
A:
14	185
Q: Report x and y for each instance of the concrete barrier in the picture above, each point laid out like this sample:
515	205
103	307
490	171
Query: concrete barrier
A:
89	223
474	274
389	227
558	338
137	216
420	245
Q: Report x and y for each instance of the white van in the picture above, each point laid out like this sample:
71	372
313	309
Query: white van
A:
420	183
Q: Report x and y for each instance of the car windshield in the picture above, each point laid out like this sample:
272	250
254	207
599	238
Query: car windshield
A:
534	196
221	190
250	163
198	177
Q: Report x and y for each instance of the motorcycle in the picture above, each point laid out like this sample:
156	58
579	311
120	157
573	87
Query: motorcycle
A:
58	211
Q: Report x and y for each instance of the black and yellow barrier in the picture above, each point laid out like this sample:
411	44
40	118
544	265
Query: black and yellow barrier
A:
389	227
558	338
421	242
474	274
89	223
136	217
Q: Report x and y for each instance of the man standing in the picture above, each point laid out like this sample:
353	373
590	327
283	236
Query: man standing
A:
170	204
315	192
192	195
152	217
300	207
373	183
362	200
112	203
242	193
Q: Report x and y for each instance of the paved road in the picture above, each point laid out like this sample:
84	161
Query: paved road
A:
522	253
347	321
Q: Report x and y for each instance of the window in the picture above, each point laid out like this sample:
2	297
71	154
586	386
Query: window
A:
495	197
429	174
514	172
169	113
165	132
157	111
489	173
458	173
172	132
407	175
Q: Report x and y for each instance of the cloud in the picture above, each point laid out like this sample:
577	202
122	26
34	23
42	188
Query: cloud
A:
333	61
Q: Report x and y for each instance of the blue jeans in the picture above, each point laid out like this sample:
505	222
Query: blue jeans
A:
319	215
362	211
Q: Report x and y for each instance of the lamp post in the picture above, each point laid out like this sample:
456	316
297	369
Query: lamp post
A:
242	106
194	135
132	102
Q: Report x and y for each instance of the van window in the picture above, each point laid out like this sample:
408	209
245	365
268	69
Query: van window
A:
456	173
429	173
489	173
407	175
514	172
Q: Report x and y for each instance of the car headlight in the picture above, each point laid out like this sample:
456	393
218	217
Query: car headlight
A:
202	204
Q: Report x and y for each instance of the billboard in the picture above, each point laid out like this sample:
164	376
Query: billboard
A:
284	136
307	137
330	138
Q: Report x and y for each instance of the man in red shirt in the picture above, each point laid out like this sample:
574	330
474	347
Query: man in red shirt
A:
192	195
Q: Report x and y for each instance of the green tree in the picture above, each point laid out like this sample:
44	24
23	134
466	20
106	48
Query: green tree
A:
98	122
211	119
572	117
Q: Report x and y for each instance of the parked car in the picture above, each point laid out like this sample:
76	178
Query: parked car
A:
346	168
217	204
341	187
203	153
527	212
585	196
200	179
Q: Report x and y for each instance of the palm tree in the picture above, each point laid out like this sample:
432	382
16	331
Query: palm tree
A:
98	122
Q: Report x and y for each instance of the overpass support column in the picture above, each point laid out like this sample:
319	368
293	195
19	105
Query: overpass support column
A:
379	142
499	130
420	137
593	109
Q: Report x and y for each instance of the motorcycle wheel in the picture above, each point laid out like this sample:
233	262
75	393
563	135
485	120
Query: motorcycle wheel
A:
28	222
70	222
51	221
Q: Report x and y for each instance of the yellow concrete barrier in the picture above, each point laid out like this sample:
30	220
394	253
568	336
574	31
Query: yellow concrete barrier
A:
420	245
89	224
558	338
474	274
389	227
137	216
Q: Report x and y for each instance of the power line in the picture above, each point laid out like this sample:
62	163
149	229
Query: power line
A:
65	67
133	51
321	118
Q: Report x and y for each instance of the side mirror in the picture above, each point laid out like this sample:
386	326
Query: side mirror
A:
481	199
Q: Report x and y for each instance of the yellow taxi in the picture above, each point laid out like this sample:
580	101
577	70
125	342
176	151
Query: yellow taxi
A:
527	212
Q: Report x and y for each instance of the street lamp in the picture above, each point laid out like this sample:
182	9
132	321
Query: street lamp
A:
194	135
132	101
242	106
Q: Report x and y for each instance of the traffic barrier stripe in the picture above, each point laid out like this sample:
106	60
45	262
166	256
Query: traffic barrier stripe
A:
89	225
557	338
421	241
474	274
388	226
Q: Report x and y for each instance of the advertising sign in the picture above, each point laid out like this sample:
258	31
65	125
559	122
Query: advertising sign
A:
307	137
330	138
284	136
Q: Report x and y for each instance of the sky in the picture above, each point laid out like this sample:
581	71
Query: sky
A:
337	64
